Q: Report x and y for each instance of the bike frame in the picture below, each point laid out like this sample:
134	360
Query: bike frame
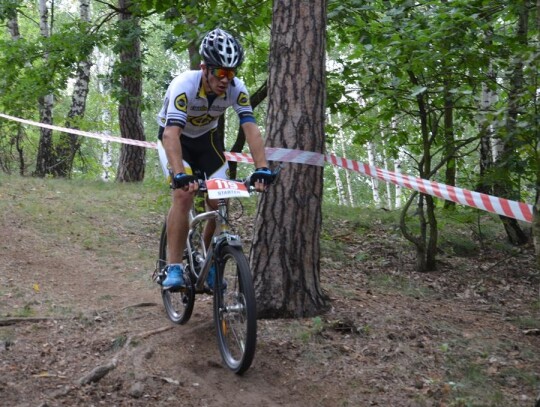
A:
221	235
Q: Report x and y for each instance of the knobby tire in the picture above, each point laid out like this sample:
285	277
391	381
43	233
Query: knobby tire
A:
178	304
235	313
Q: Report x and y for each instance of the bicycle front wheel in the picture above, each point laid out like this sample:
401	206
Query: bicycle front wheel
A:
235	312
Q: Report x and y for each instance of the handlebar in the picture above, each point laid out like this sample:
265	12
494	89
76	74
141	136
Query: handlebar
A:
245	181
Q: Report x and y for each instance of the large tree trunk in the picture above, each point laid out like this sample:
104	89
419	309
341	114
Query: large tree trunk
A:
286	250
68	145
132	158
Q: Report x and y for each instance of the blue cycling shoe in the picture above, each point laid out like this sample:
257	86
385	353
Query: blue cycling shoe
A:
210	279
175	277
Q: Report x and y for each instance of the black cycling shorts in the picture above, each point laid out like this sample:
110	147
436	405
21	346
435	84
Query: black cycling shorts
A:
204	154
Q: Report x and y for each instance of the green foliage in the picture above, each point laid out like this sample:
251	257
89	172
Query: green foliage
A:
449	45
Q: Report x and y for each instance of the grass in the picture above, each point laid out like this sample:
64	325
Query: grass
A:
90	215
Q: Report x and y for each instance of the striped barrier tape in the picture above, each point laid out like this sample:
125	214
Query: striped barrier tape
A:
500	206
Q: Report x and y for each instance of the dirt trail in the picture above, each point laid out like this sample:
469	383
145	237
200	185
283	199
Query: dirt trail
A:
375	347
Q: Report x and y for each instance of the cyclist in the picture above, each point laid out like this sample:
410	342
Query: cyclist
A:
189	142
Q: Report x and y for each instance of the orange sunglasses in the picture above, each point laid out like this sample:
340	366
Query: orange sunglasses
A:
221	73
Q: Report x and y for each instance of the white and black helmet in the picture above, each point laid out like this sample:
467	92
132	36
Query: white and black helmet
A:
219	48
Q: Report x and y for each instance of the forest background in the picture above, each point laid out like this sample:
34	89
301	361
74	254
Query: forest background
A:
442	90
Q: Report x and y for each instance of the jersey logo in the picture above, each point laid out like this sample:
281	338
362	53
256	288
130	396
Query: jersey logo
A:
243	99
200	121
181	102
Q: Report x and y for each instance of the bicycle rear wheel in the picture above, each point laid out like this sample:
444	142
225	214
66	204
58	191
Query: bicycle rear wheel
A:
235	313
178	303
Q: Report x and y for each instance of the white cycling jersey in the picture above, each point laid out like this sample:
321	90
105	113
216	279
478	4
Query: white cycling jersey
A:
186	104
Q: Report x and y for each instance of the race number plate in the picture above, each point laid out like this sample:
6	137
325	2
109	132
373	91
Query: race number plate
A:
222	188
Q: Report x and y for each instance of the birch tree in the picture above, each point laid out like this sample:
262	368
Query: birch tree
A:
45	157
335	169
17	140
374	181
68	145
509	137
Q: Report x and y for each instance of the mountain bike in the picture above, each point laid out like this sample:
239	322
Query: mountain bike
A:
234	304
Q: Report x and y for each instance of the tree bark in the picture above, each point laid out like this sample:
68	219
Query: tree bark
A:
449	141
14	32
348	180
374	181
132	158
487	102
335	169
286	250
45	158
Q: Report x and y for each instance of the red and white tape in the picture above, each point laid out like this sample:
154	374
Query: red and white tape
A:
500	206
281	154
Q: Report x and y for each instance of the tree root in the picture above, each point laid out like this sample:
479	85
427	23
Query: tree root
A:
140	305
98	373
15	320
101	371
